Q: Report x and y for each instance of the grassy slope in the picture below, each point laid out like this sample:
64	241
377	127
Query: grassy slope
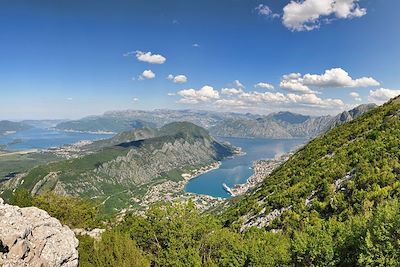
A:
368	147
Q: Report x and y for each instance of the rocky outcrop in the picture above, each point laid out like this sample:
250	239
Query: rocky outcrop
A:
30	237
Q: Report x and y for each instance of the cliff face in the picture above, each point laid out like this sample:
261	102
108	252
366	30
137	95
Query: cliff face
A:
30	237
348	116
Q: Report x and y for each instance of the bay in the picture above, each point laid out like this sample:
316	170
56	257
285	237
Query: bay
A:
238	169
42	138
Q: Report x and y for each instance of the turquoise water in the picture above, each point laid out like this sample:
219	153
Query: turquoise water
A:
41	138
237	170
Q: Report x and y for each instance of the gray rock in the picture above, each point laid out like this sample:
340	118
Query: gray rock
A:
30	237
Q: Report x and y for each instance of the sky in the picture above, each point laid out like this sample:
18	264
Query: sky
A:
70	58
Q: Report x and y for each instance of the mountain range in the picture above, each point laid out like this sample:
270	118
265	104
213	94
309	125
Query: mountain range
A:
279	125
335	202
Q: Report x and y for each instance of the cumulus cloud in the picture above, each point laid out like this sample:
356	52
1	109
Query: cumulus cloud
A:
195	45
147	74
147	57
314	100
335	77
177	79
263	85
192	96
382	95
308	15
265	11
293	82
355	96
231	91
233	98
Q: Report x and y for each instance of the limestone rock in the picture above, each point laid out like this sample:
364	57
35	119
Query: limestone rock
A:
30	237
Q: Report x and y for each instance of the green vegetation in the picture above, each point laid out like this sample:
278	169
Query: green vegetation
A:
336	203
177	235
72	211
14	162
126	168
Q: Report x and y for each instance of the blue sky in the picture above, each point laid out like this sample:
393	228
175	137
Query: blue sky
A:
68	59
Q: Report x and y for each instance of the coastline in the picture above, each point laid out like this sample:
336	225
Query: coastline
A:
262	168
87	132
172	191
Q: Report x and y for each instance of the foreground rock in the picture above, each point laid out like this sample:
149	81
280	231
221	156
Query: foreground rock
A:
30	237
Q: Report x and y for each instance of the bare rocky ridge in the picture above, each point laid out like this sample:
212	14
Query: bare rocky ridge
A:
30	237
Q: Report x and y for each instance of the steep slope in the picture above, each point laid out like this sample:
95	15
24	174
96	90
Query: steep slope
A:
346	172
350	115
128	169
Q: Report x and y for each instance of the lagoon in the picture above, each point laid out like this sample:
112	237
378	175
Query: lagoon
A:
238	169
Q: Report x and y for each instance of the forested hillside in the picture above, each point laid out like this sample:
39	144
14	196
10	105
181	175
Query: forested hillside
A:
334	203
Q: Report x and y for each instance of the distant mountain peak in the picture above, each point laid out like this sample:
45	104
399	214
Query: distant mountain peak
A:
287	116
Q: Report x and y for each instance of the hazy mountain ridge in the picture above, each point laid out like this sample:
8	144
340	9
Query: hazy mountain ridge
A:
103	124
281	125
284	125
11	126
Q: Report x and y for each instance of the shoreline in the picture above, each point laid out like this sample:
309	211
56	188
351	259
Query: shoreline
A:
86	132
175	191
262	169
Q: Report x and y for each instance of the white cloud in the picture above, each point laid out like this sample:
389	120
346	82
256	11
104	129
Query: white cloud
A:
313	100
335	77
147	57
135	99
309	14
147	74
293	82
192	96
231	91
355	96
266	97
263	85
265	11
238	84
382	95
238	99
177	79
195	45
230	103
